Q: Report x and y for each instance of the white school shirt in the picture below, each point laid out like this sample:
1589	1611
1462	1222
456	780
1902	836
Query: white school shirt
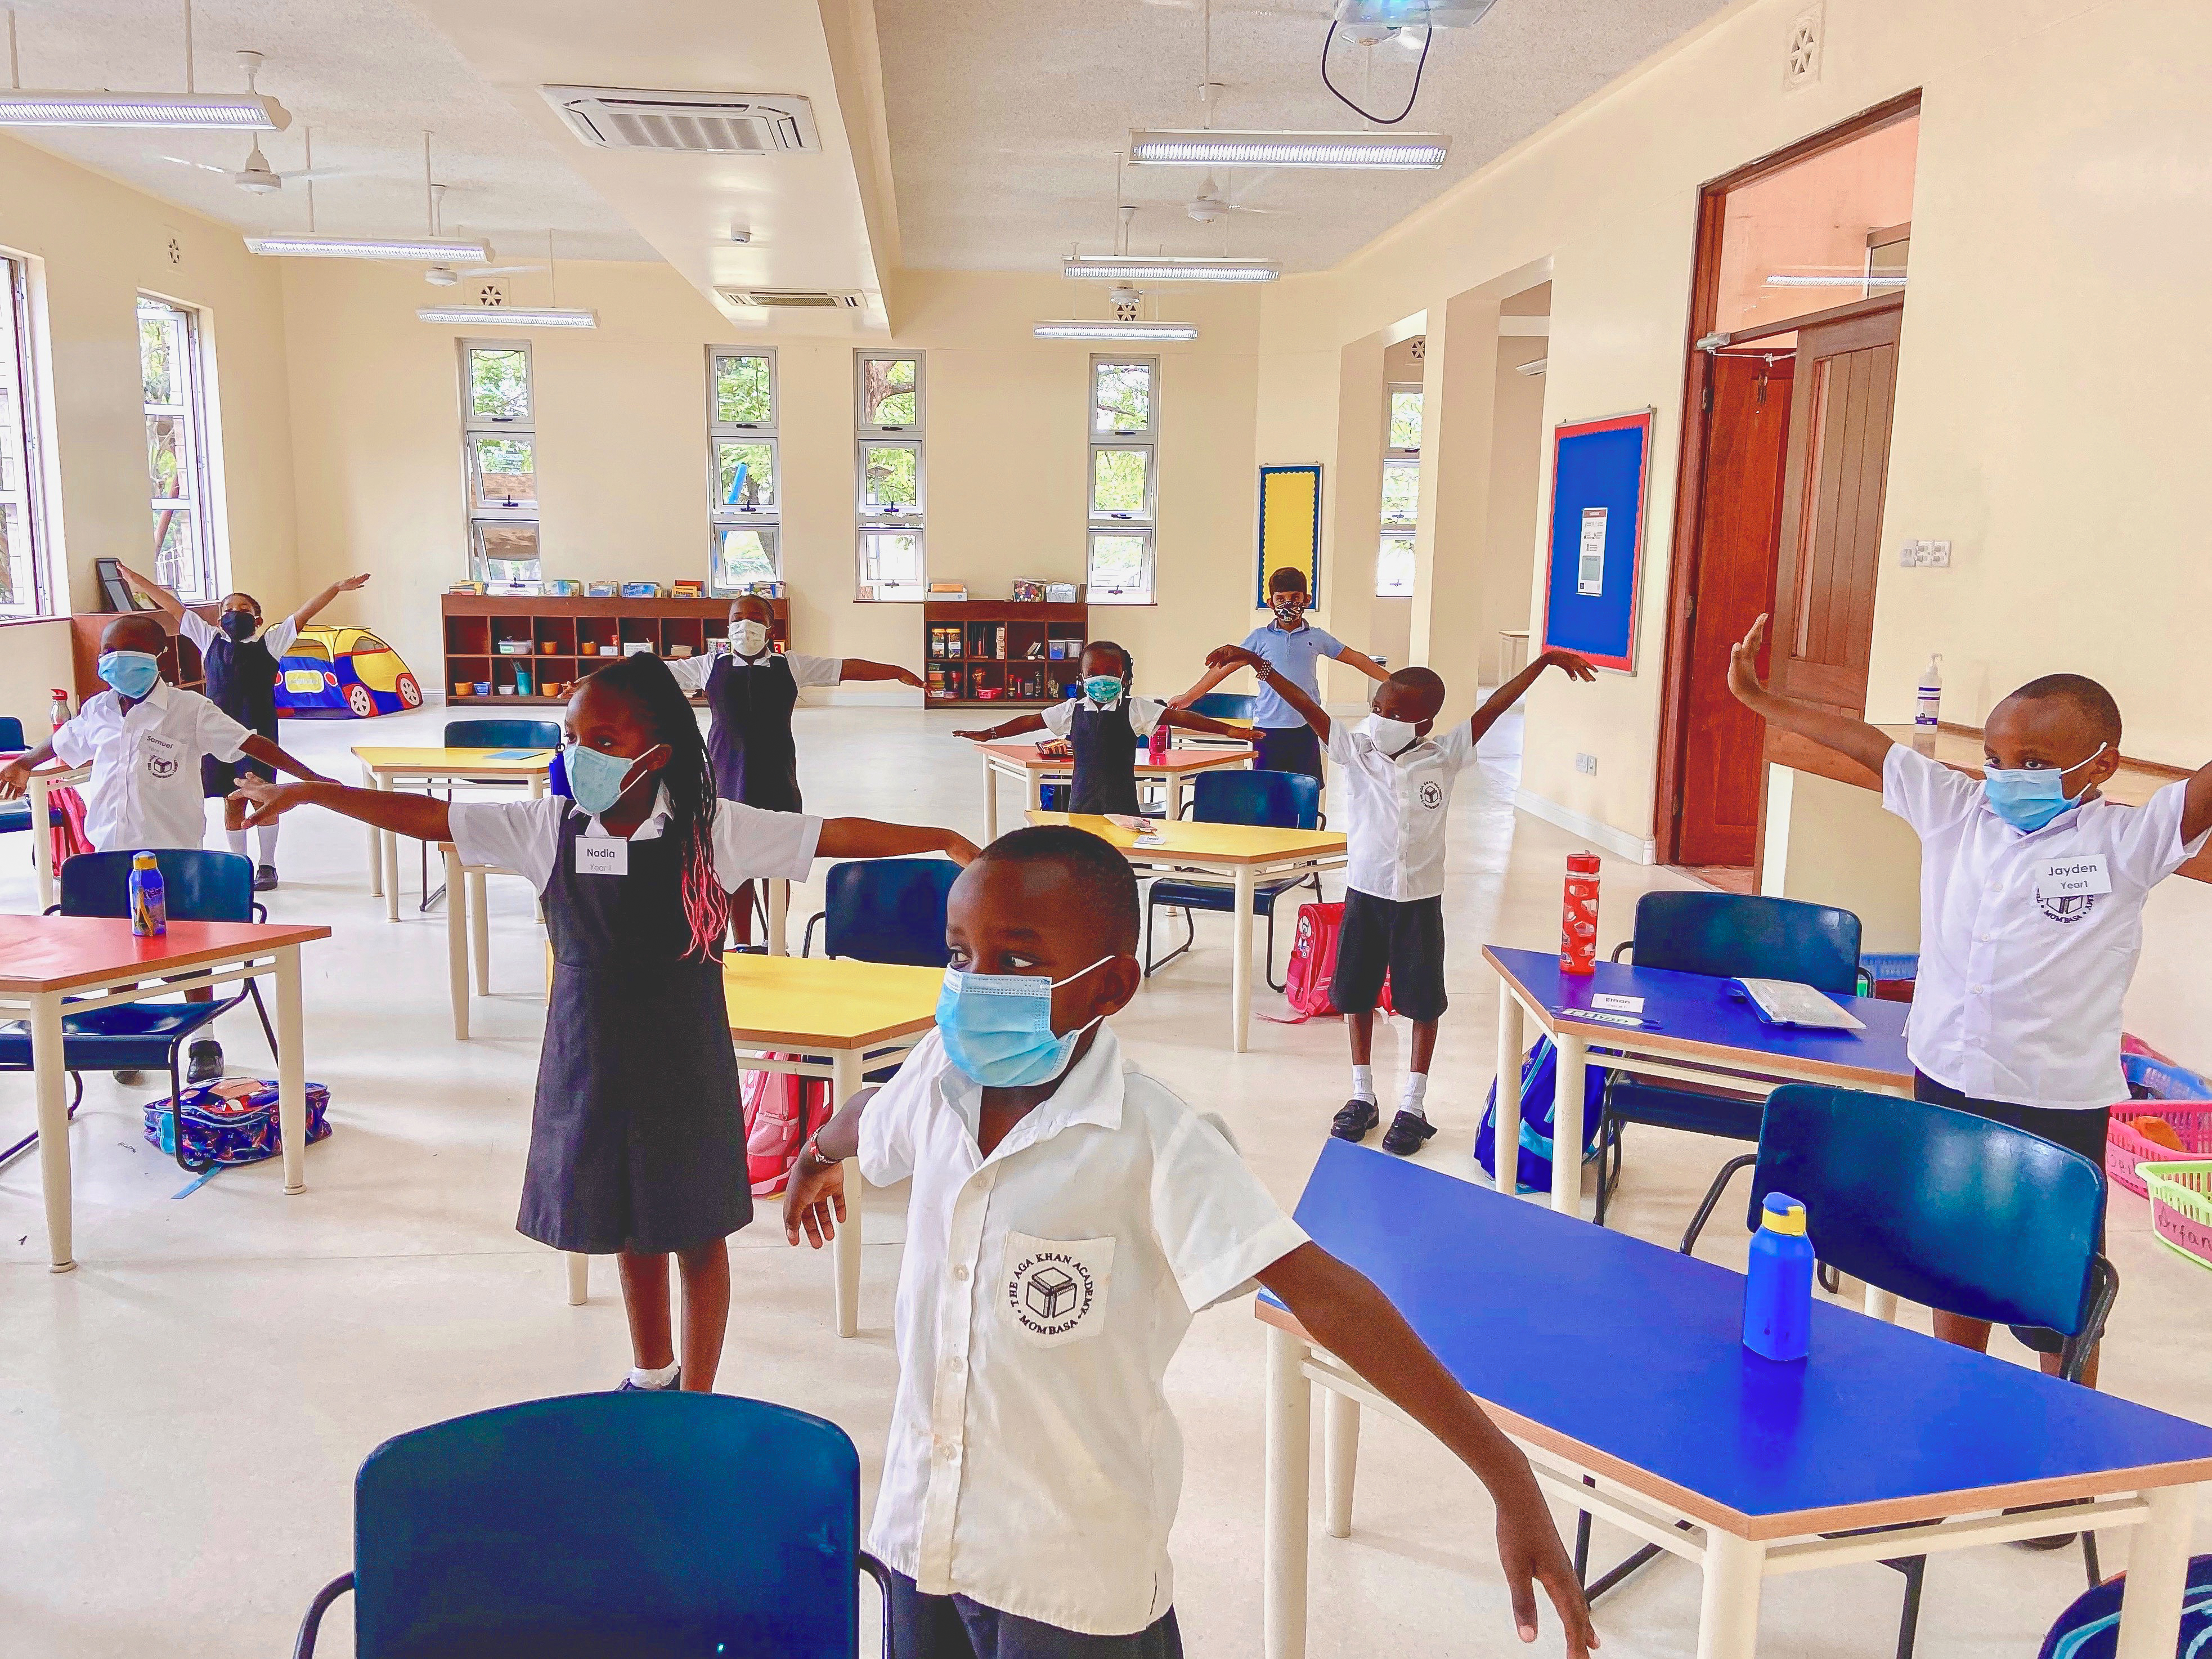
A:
1395	822
691	672
145	787
524	836
2020	982
1033	1464
1144	714
277	636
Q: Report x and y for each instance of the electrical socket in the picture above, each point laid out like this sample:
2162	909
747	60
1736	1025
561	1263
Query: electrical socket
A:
1586	764
1925	555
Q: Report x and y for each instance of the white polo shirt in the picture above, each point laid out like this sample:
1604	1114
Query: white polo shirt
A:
1144	714
145	787
691	672
277	636
2027	942
1033	1463
1395	818
524	836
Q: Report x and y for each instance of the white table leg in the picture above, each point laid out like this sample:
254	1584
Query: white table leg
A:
391	839
1567	1126
376	841
845	1247
42	838
291	1070
51	1083
1173	781
538	784
990	801
480	929
2158	1573
1508	1156
457	943
1290	1459
1728	1612
580	1276
1339	1443
779	916
1240	965
1881	1305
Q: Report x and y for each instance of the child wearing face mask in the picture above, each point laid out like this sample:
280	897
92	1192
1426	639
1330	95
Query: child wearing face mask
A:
750	691
1067	1217
1287	743
2032	890
1108	726
1399	781
637	1140
241	658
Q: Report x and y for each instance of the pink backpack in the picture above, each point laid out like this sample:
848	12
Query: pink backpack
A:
780	1111
1313	965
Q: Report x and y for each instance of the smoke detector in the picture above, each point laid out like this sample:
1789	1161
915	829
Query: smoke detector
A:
686	123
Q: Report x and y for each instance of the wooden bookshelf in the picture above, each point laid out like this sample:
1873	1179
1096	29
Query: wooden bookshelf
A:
570	637
990	654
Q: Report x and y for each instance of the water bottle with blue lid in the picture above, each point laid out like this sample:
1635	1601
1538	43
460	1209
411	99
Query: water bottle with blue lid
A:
1777	1293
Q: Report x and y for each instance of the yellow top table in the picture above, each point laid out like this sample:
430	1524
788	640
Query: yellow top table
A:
826	1018
1246	853
387	769
1027	766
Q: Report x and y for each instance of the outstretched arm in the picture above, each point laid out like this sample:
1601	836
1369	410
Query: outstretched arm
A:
1867	744
1215	673
1012	728
1365	664
866	838
1344	1313
307	612
153	590
1295	694
860	668
270	755
1190	722
15	775
2197	805
422	816
1510	692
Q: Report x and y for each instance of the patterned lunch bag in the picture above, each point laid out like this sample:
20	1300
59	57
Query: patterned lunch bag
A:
232	1122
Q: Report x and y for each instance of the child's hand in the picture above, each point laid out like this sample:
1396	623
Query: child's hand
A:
1574	665
814	1195
1743	663
1182	699
15	779
350	583
907	677
977	737
266	801
1530	1552
961	850
1235	656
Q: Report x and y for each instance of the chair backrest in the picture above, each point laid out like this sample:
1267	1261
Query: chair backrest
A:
653	1525
502	734
11	733
1275	800
197	885
1941	1206
1224	706
889	910
1735	935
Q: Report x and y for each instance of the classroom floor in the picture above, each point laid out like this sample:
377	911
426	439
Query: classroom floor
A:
181	1417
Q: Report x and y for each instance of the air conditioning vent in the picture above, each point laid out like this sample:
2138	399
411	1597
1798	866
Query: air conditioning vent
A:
803	299
687	122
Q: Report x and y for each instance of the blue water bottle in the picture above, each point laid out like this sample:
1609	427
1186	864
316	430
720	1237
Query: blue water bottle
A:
1777	1293
149	903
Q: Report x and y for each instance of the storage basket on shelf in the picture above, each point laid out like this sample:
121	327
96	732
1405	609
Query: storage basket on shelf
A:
2157	1088
2181	1206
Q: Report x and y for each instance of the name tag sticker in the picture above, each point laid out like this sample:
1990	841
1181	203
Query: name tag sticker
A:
598	855
1619	1004
2082	876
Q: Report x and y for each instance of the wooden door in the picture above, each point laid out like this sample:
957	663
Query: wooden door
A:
1738	535
1838	467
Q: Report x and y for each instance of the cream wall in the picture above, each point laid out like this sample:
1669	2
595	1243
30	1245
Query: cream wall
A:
1516	463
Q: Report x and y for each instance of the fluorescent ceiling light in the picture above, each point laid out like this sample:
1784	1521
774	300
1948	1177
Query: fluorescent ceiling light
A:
1836	282
1171	268
508	317
236	110
1289	149
433	250
1111	328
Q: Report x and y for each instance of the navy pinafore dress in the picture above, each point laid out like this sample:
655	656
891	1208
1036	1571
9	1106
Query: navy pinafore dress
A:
749	740
637	1140
1105	759
241	681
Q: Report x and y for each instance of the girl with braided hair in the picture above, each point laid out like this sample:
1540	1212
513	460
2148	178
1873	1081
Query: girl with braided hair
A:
637	1144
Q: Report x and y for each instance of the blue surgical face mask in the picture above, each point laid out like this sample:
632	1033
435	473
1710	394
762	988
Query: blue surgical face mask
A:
596	778
132	673
2029	798
997	1028
1102	689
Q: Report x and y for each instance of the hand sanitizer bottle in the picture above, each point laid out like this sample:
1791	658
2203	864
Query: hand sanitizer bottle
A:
1927	707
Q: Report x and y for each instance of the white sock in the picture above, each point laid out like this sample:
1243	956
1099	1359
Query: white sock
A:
237	840
266	833
1363	1083
1417	1090
654	1379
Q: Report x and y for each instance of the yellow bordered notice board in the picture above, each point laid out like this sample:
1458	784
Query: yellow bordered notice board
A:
1290	525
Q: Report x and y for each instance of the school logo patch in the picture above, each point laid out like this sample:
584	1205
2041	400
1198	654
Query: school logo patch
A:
161	766
1432	794
1055	1289
2068	907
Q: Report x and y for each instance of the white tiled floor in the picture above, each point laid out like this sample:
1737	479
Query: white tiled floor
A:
181	1417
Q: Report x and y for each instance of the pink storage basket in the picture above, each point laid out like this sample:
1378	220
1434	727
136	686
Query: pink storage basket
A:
2170	1091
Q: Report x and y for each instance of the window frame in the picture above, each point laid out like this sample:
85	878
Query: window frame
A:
1144	524
190	410
1398	457
721	517
861	361
870	521
28	495
480	515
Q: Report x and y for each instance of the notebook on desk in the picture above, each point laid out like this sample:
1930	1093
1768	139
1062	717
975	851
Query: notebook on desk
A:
1786	1002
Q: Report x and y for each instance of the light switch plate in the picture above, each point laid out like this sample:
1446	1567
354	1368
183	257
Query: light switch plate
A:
1586	764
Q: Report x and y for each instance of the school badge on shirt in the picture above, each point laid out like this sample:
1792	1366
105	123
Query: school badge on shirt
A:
1055	1289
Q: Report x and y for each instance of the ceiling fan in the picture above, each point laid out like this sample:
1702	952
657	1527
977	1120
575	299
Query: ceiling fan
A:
1212	204
257	176
445	275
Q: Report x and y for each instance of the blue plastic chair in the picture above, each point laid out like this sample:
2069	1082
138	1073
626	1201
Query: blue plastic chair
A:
1277	801
1728	936
1224	706
16	815
886	910
646	1525
501	733
197	886
11	735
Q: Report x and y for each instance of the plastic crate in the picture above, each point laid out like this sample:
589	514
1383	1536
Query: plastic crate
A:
2181	1207
2157	1088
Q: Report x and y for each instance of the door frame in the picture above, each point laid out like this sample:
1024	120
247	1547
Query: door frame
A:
1690	475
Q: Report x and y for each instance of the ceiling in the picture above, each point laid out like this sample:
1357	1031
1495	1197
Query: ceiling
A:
1003	115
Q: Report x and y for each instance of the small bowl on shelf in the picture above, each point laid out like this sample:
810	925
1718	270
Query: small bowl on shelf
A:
463	688
484	688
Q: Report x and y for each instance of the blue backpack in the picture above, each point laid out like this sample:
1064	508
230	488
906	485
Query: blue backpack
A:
2090	1628
1538	1079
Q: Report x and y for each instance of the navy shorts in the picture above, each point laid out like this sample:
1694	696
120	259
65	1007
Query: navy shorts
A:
1402	938
958	1627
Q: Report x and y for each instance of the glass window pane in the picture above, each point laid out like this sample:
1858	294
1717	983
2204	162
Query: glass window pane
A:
1394	568
890	556
1118	481
176	561
1120	569
887	396
1401	491
499	383
160	355
744	391
1405	419
745	475
1121	397
18	587
164	437
743	556
506	474
889	480
507	552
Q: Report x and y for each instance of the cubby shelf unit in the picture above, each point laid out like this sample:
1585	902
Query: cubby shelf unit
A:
567	638
991	653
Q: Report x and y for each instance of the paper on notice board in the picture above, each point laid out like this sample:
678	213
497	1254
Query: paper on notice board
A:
1589	577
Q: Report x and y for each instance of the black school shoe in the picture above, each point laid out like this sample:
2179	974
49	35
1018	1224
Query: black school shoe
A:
264	877
204	1062
1357	1120
1406	1132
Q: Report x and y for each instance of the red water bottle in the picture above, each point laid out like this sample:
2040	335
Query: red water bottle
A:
58	710
1159	743
1578	925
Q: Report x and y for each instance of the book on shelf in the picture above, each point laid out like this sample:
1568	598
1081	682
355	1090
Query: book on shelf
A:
687	590
602	589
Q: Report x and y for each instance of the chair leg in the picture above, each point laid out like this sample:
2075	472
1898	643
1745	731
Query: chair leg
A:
1582	1544
253	990
303	1646
2089	1558
1273	984
177	1120
1608	1137
1712	1198
1915	1569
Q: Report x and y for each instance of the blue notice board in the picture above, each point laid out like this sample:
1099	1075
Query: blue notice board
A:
1594	567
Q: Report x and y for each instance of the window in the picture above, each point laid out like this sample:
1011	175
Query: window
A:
1402	493
499	445
1124	483
23	589
892	480
744	513
173	374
